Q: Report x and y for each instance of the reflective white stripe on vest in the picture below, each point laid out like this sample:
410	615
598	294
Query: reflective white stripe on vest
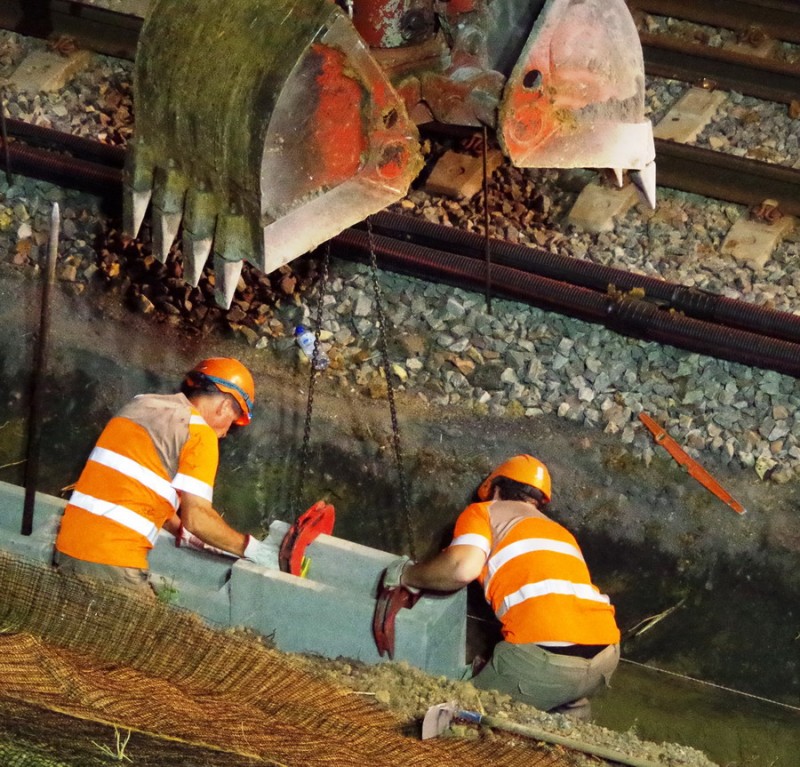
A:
528	546
197	419
115	513
193	486
134	470
550	586
471	539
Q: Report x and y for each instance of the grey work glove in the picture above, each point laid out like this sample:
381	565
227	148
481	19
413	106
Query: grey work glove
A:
260	553
393	575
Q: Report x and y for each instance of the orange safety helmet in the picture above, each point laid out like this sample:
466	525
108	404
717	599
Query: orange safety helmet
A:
229	376
521	468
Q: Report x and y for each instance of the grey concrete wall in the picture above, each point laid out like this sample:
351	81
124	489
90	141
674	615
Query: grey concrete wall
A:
329	612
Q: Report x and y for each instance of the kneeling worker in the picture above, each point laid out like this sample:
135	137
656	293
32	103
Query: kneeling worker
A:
560	639
154	466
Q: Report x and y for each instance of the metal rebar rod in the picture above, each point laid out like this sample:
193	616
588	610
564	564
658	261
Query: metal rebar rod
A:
34	418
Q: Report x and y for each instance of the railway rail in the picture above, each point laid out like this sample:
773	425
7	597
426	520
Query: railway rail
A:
723	176
98	29
779	19
635	305
669	313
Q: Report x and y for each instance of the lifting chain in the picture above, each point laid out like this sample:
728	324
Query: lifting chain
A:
390	390
487	249
312	377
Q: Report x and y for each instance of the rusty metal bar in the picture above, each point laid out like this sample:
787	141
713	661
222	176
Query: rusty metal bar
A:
666	56
35	417
780	19
98	29
726	176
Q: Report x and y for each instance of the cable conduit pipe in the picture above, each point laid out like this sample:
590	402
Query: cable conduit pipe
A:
631	317
85	148
694	302
61	169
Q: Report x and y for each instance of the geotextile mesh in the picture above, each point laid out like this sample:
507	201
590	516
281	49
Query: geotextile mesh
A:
116	662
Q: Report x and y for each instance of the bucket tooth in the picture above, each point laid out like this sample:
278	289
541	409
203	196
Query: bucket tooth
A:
232	244
137	186
196	251
645	182
619	176
227	275
198	233
169	191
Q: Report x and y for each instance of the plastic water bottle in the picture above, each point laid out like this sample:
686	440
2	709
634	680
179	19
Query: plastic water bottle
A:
305	340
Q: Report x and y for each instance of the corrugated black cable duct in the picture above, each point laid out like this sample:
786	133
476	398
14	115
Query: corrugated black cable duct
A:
699	304
60	169
632	317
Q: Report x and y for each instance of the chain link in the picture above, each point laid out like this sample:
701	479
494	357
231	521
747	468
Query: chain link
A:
294	511
390	390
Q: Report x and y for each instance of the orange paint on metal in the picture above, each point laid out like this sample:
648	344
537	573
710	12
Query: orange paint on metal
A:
338	122
393	162
529	122
460	6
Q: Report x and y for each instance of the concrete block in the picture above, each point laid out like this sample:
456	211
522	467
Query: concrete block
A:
195	580
597	206
47	70
691	113
763	49
461	175
47	510
329	612
752	242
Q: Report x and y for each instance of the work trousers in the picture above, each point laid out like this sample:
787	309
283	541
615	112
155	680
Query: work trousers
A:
130	577
531	674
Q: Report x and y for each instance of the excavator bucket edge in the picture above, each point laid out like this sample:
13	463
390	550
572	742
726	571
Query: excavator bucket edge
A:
260	155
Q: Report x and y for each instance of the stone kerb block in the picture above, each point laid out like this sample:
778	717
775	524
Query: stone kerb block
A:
47	510
331	611
195	580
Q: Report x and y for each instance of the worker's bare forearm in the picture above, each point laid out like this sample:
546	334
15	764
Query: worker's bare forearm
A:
202	519
450	570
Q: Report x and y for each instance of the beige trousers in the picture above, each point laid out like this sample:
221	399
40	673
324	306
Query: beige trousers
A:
533	675
132	577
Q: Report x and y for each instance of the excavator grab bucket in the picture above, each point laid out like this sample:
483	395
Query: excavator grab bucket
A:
264	128
575	96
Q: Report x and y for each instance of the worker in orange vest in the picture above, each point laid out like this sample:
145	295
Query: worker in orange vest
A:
154	466
560	640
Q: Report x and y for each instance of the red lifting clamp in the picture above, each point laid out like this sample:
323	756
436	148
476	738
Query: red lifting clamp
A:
317	520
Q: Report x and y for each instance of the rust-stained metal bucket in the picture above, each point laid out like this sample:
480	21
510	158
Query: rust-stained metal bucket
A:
265	127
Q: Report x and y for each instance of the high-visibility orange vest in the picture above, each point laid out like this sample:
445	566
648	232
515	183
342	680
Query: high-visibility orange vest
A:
156	447
535	577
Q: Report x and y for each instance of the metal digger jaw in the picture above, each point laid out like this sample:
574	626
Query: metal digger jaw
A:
264	127
575	97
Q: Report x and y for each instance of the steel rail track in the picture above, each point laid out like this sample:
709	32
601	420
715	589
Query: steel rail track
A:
723	176
746	182
779	19
97	29
519	274
668	57
627	316
701	171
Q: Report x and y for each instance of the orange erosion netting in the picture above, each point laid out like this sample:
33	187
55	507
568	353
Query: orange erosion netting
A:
89	666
